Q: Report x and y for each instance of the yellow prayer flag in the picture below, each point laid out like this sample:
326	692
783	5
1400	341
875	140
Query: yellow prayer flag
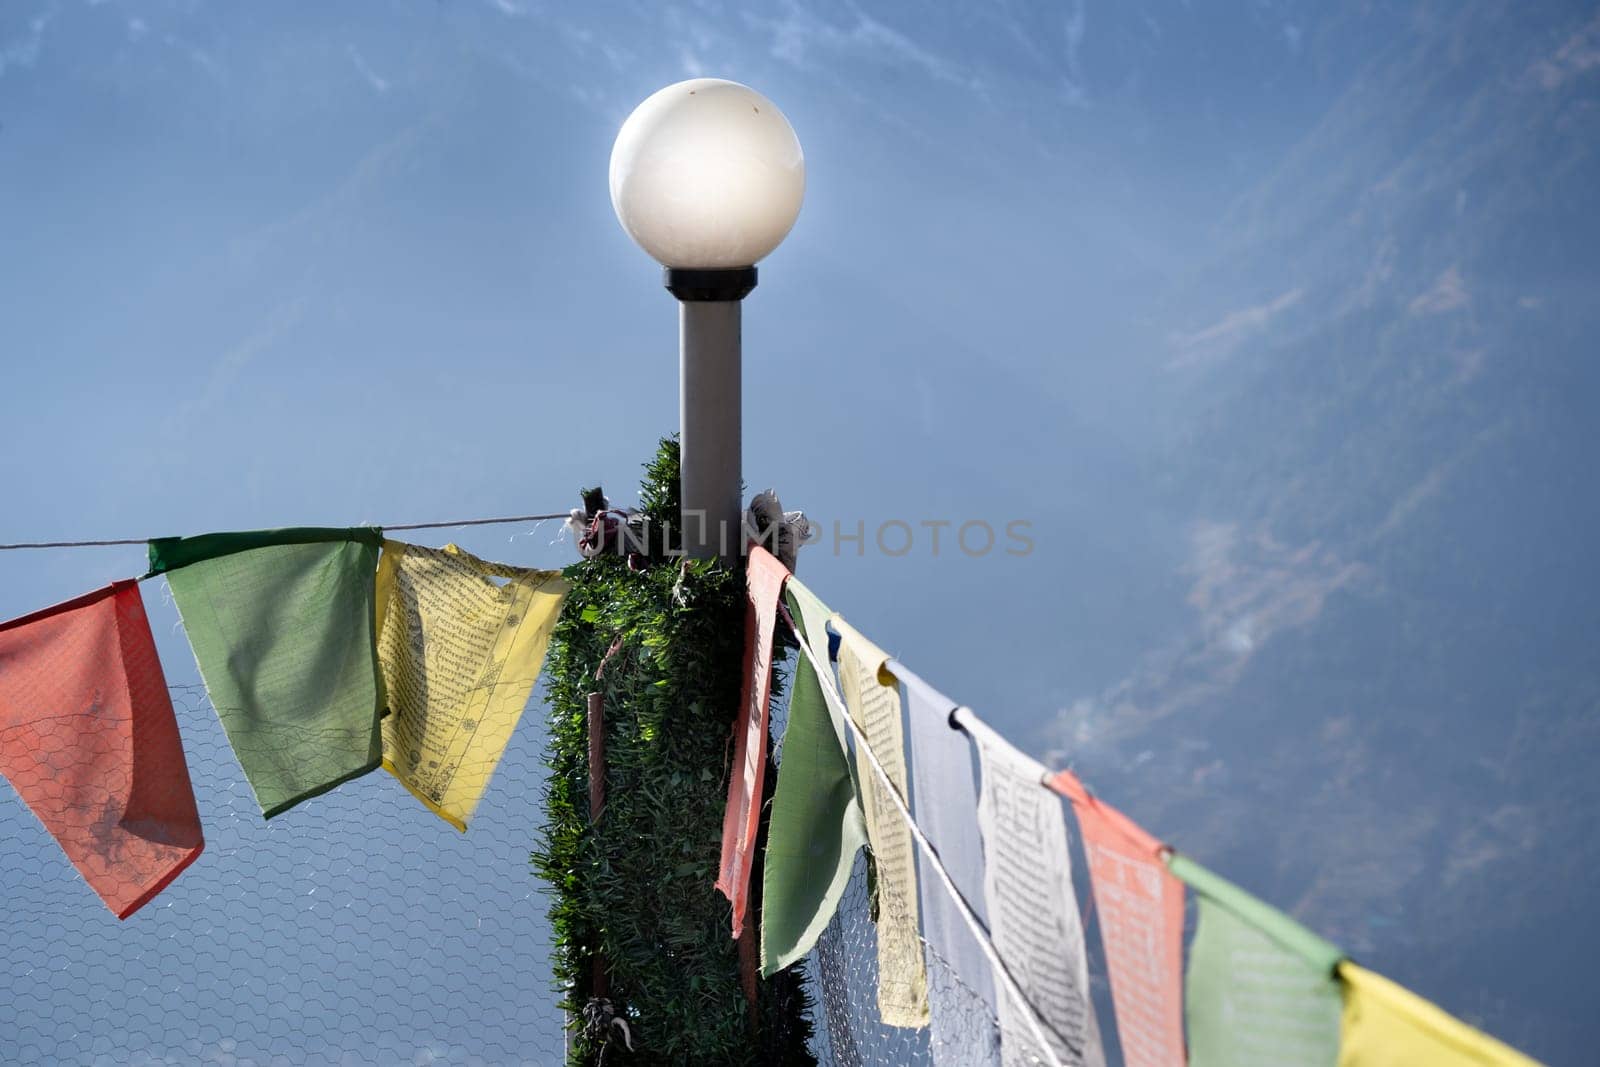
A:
460	644
873	697
1385	1025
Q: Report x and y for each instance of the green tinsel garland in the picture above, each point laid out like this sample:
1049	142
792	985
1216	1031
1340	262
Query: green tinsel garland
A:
638	889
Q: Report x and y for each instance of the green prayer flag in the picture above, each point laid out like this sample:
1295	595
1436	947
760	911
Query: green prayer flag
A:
171	553
282	627
816	825
1261	989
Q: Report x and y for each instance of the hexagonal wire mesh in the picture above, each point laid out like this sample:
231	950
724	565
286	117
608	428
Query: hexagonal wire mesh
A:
842	980
355	928
842	974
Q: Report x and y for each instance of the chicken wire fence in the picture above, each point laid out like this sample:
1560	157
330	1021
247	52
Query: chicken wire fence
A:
358	928
841	979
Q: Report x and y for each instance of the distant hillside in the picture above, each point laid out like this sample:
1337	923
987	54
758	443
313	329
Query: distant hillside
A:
1385	714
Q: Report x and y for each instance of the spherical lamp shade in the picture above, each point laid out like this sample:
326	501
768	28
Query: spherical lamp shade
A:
707	173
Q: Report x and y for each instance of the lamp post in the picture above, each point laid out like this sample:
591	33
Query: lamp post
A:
707	176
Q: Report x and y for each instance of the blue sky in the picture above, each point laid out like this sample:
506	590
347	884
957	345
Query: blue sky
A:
1224	302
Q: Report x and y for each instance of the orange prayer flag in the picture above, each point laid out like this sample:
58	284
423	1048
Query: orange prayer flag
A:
1141	924
89	741
764	578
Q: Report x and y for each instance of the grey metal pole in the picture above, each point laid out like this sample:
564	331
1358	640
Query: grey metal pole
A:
709	402
709	408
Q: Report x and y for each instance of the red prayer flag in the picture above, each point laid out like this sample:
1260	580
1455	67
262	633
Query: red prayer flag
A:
764	578
1141	924
89	741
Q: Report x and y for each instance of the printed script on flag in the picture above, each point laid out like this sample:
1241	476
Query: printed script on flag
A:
1033	912
1141	925
873	698
460	643
1260	991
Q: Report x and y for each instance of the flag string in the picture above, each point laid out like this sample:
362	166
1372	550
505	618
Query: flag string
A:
396	526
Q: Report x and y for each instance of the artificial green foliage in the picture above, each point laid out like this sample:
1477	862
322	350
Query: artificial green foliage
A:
638	888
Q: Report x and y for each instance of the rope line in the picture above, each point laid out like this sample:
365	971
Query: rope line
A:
1030	1013
76	544
476	522
397	526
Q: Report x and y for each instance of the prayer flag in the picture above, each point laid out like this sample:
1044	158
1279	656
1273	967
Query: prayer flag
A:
1033	912
764	578
1385	1025
460	652
1141	926
1260	990
282	627
89	741
944	793
873	697
816	827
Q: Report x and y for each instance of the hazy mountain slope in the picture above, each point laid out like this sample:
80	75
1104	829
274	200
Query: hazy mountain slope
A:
1383	713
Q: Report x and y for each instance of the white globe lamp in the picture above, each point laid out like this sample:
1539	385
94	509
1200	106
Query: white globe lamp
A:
707	176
